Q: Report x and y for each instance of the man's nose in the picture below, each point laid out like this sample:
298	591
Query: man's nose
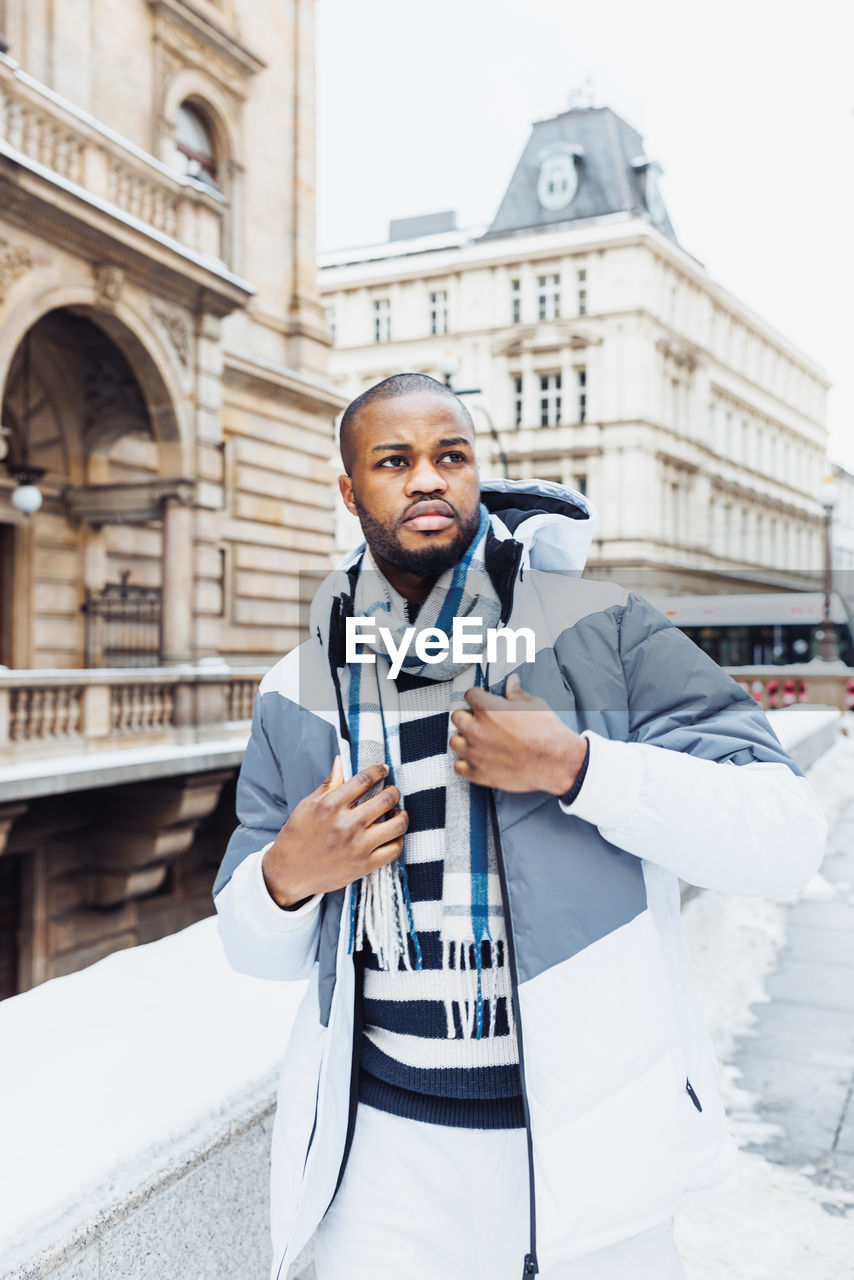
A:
425	477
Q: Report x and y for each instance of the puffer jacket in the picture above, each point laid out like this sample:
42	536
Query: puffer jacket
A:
685	779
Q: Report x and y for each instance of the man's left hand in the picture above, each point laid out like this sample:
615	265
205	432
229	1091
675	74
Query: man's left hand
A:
515	743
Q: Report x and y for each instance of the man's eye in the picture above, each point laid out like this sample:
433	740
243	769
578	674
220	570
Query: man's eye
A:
392	460
455	457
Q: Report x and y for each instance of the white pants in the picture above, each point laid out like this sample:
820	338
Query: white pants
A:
427	1202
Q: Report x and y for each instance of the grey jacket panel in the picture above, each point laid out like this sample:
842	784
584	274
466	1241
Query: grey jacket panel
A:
283	734
682	700
568	887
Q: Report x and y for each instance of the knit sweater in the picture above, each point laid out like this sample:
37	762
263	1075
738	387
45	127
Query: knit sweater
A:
410	1066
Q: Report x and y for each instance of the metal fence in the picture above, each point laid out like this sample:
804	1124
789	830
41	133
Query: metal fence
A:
123	625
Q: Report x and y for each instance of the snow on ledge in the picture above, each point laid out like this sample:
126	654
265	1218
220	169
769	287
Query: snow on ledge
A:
793	725
104	1068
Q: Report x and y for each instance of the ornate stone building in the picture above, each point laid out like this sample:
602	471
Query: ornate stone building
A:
163	377
842	532
606	357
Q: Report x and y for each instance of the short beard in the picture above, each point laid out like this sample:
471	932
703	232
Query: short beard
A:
430	561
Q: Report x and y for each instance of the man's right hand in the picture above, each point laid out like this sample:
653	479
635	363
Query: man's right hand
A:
330	839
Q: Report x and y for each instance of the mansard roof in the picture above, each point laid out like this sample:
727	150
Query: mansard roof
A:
612	171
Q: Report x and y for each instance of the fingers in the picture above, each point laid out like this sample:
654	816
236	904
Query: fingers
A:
381	833
479	699
376	806
466	770
361	782
336	774
385	853
462	720
513	687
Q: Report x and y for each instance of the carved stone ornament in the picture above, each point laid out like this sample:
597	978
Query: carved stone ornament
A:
109	281
15	261
188	37
99	504
178	330
682	353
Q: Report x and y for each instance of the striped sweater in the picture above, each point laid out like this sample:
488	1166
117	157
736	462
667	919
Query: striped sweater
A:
410	1066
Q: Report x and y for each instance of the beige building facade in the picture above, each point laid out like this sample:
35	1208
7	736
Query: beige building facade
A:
842	532
605	357
163	378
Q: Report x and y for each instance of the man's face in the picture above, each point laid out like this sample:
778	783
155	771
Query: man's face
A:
414	482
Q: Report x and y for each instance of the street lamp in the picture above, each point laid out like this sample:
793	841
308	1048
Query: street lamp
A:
828	649
26	496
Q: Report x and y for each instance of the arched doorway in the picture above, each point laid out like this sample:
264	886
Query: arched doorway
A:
77	408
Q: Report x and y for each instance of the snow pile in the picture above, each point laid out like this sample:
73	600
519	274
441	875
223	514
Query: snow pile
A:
779	1223
777	1226
793	724
103	1069
832	777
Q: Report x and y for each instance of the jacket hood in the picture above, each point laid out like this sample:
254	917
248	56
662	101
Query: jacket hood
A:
554	524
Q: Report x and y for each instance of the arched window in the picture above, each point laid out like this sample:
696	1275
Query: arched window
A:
195	149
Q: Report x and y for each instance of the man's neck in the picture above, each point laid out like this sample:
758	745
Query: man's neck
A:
412	586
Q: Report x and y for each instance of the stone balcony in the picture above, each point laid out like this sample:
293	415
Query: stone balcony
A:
73	167
116	802
47	714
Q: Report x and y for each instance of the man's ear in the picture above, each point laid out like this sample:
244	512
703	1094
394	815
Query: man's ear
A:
345	485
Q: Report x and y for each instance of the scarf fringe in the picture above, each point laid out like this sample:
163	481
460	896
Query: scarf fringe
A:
384	918
473	988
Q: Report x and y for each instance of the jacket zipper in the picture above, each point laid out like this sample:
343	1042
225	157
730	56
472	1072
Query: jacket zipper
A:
530	1267
358	1020
689	1089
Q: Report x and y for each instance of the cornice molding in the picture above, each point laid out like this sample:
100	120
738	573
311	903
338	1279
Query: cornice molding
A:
98	504
175	20
265	377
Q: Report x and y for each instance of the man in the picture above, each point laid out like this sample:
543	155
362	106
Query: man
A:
472	854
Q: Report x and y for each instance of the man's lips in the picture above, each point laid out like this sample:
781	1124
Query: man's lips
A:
430	517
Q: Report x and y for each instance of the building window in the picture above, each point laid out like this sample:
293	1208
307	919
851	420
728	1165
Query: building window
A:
678	391
195	149
675	512
581	484
330	322
382	320
548	300
582	394
439	311
516	301
549	399
517	401
582	292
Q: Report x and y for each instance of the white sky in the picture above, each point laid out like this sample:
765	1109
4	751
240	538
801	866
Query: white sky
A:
748	106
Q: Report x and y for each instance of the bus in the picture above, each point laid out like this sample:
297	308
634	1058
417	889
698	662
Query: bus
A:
776	629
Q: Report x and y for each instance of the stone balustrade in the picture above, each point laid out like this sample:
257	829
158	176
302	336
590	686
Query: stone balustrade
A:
81	152
828	684
44	713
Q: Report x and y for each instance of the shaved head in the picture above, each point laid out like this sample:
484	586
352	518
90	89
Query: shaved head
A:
400	384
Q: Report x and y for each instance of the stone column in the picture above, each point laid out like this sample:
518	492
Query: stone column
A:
177	618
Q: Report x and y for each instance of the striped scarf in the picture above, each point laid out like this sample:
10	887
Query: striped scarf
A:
382	911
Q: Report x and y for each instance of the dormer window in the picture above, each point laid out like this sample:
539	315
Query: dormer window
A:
195	149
